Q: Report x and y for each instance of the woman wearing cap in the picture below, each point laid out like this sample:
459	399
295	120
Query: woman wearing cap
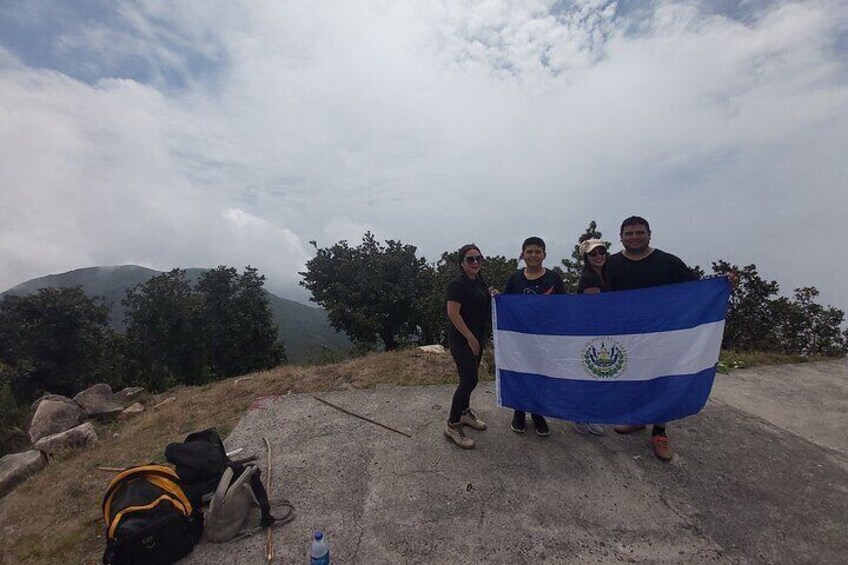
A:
592	281
469	306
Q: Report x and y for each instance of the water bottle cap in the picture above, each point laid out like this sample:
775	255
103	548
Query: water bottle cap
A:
319	535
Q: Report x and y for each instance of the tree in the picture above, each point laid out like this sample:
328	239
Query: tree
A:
372	291
165	342
239	332
572	268
750	319
802	326
52	341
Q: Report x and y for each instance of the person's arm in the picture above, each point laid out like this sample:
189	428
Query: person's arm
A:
460	325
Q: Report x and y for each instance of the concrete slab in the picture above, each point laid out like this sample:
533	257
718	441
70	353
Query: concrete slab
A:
741	489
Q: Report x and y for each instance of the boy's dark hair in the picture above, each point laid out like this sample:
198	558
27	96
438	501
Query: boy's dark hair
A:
634	221
538	241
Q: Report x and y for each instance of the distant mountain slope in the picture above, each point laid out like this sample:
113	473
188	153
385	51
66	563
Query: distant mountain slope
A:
304	329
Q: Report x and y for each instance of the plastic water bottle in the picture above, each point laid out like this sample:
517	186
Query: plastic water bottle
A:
320	550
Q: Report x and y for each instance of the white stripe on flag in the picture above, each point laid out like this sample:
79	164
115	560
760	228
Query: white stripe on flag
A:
648	356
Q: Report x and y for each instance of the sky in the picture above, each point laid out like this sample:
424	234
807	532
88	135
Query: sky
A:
204	133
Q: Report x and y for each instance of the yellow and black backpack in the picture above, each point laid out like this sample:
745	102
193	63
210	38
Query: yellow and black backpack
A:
149	519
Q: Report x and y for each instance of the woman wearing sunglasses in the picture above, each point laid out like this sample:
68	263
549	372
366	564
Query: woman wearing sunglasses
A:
592	281
469	307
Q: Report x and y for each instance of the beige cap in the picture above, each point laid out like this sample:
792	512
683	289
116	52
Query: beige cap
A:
590	244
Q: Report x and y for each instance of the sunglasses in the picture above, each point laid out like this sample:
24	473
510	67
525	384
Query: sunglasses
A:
596	252
474	259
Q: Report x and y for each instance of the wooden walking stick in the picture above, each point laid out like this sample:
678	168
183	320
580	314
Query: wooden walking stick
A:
269	531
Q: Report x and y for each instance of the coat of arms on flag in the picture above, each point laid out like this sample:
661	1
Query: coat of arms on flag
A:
630	357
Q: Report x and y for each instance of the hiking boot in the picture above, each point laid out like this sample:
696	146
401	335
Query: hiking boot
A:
541	426
471	420
627	429
457	434
662	449
518	422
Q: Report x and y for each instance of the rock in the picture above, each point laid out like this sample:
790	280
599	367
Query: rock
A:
75	438
128	395
132	410
51	414
15	468
97	401
432	348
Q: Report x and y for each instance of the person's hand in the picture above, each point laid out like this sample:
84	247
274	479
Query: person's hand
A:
493	291
474	345
734	280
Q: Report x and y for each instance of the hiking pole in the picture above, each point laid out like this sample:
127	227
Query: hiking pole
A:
269	532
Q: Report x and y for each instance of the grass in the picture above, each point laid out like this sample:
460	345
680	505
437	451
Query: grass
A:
744	359
54	517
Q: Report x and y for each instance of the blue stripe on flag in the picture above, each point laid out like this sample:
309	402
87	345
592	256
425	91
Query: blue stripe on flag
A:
607	402
648	310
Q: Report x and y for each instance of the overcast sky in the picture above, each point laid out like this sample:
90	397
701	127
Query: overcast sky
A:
200	133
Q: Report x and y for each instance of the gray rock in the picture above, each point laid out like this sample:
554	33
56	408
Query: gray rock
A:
75	438
97	401
128	395
132	410
51	414
15	468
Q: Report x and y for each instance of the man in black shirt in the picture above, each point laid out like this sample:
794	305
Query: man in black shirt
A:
641	266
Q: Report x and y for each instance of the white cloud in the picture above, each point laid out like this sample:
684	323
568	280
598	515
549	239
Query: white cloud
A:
436	123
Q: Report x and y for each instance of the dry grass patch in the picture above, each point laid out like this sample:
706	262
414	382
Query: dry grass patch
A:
55	516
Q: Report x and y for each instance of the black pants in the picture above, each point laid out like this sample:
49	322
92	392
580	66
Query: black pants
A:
467	365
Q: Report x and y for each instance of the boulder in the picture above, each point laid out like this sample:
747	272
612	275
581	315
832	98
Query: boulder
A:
132	410
15	468
51	414
75	438
97	401
128	395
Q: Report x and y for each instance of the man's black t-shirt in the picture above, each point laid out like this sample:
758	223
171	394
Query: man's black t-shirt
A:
549	283
656	269
474	306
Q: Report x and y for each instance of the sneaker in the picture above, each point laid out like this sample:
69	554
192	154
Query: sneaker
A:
471	420
662	449
627	429
541	426
518	422
582	428
595	429
457	434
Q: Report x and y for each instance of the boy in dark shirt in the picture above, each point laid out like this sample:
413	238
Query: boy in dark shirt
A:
533	279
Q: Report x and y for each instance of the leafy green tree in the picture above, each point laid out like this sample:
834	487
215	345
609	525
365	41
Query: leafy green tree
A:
52	341
164	338
750	319
573	267
372	291
802	326
239	332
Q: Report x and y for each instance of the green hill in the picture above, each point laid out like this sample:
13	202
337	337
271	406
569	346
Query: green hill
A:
307	333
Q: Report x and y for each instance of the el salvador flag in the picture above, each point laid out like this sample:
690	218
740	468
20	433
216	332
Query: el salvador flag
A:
631	357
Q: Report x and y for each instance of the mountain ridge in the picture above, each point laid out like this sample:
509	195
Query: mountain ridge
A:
304	329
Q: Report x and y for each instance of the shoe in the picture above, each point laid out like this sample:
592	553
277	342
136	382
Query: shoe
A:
627	429
662	449
582	428
471	420
457	434
518	423
595	429
541	426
